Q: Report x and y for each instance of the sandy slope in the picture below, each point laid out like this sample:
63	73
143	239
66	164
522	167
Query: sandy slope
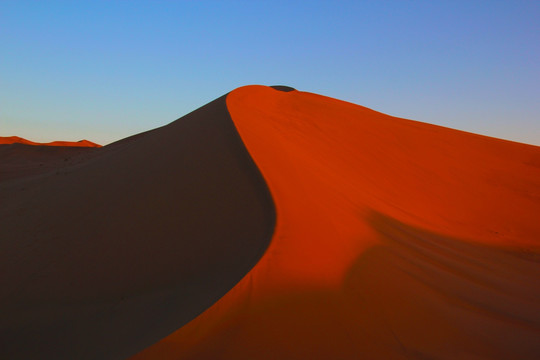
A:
394	239
20	160
106	254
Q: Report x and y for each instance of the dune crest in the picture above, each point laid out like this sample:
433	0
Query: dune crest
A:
394	240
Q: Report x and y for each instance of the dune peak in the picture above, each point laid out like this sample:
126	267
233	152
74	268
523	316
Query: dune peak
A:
283	88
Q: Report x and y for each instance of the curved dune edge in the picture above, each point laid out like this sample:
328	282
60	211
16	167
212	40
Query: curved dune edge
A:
105	255
394	239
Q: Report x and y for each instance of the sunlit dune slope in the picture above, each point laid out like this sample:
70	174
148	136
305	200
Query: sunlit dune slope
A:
106	254
394	240
4	140
7	140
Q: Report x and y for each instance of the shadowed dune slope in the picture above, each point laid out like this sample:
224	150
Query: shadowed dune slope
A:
394	240
103	256
20	160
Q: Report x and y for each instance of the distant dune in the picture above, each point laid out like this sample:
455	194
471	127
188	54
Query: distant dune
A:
18	140
20	157
276	224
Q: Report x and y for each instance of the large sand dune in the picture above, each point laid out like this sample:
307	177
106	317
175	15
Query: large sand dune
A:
394	239
366	237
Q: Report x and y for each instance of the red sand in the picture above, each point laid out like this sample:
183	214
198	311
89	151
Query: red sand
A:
18	140
395	239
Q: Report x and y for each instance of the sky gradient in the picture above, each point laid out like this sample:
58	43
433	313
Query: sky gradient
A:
104	70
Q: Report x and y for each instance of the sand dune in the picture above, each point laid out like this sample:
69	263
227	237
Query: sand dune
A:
6	140
104	257
394	239
277	224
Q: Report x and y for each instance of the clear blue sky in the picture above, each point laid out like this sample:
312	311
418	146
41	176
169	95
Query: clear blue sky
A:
104	70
